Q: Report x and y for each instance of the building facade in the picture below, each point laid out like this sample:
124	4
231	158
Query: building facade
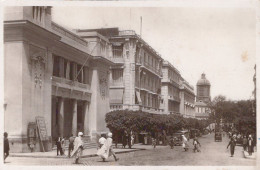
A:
203	89
203	98
50	72
187	95
170	89
135	80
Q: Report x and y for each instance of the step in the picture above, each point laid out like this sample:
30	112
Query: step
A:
87	145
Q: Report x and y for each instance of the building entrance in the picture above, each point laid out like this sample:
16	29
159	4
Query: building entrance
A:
69	116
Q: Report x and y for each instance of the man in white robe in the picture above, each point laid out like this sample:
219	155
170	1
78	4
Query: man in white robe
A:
78	147
107	149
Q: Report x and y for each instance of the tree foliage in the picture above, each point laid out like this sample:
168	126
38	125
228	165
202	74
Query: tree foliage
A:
240	113
137	121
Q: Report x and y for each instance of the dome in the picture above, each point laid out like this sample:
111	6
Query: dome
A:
203	81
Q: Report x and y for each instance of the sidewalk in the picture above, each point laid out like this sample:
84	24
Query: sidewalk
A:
247	156
86	152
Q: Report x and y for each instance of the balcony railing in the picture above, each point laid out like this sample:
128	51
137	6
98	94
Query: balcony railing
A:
70	83
152	68
127	32
114	83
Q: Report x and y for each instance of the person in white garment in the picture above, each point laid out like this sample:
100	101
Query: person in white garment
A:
107	149
78	147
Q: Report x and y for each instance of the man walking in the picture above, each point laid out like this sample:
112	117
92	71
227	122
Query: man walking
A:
6	145
196	145
250	145
102	140
71	146
232	145
78	147
59	148
244	143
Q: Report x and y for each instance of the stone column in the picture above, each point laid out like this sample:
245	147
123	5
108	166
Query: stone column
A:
86	118
74	117
61	115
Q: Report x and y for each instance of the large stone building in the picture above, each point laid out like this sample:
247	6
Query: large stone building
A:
51	72
203	97
135	81
171	83
203	89
187	95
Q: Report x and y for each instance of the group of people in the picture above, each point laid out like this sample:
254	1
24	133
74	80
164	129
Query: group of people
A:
196	144
246	142
75	146
105	149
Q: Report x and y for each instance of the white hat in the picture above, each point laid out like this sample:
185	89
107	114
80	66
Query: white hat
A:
109	134
250	136
80	134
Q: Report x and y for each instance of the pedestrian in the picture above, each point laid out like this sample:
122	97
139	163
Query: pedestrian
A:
154	142
59	148
196	145
232	145
63	146
102	140
107	149
185	145
245	143
250	145
71	145
172	142
124	141
132	140
78	147
6	145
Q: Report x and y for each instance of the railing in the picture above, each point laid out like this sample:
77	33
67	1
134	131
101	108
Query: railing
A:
116	107
70	83
126	32
150	67
151	109
176	98
145	86
113	83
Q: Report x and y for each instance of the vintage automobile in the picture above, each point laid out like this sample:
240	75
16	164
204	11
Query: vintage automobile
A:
218	136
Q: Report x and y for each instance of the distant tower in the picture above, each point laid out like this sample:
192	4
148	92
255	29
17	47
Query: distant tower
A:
203	89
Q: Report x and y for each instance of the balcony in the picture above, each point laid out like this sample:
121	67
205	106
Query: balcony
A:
152	68
126	32
117	84
135	108
69	84
174	98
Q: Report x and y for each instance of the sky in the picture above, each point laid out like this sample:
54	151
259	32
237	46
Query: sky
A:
221	42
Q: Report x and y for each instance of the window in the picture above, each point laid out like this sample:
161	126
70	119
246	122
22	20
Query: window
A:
56	66
117	75
117	51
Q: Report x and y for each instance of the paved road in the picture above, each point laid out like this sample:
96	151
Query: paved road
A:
212	154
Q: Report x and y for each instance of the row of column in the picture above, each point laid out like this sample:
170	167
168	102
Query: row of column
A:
74	116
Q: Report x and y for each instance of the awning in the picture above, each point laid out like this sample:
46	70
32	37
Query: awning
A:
137	93
116	96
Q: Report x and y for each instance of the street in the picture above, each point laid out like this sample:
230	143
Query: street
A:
212	154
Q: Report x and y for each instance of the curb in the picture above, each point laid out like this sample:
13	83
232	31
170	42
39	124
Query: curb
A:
65	157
